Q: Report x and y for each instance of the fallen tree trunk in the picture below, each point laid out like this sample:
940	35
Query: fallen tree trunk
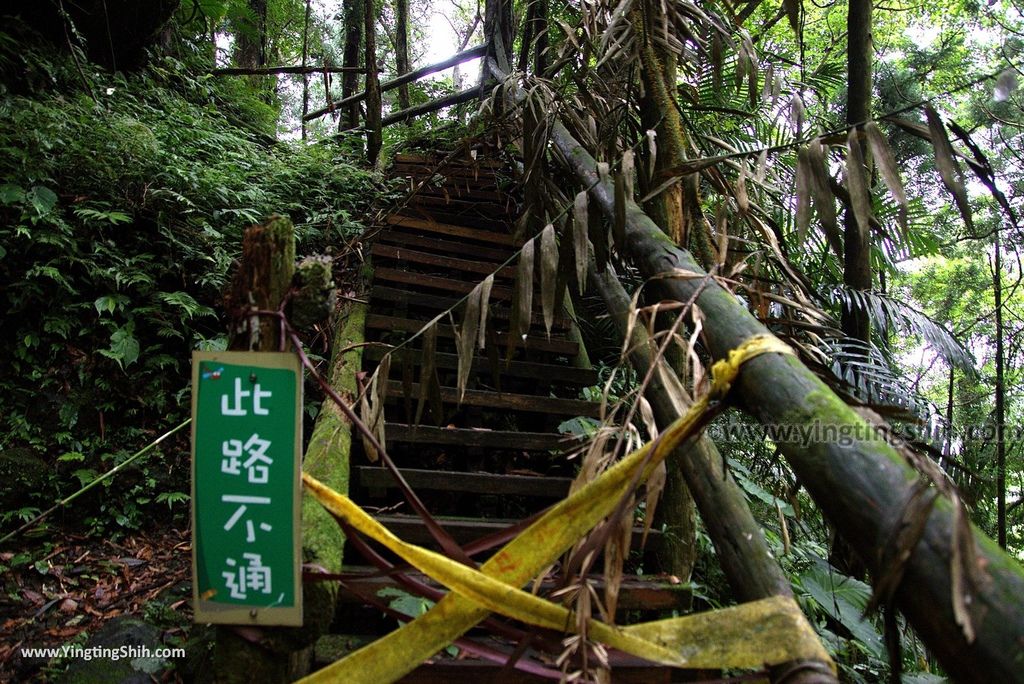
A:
861	483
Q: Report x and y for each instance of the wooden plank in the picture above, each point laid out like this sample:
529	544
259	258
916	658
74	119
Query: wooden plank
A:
399	236
482	207
394	275
466	437
441	303
483	483
463	162
454	263
544	373
502	224
539	343
410	528
507	400
636	593
459	191
450	229
450	171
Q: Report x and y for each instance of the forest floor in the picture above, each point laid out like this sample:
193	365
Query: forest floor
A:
80	584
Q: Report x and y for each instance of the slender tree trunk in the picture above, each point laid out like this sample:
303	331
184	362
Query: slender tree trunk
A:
947	445
857	246
374	138
856	323
402	49
305	57
350	58
997	287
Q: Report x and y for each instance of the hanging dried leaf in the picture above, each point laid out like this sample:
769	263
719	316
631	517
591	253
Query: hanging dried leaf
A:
824	202
522	307
619	224
949	170
628	169
797	111
548	275
803	193
857	182
742	201
580	229
1005	85
428	373
466	338
887	167
407	381
722	233
652	153
372	408
485	298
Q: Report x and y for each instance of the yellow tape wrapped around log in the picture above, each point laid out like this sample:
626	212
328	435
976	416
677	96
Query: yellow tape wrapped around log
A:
763	632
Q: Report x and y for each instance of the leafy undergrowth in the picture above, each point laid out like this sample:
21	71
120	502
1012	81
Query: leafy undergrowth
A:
121	210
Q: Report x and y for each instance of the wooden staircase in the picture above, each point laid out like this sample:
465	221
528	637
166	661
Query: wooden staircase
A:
498	456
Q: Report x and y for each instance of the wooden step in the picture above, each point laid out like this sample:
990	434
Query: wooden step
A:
394	275
469	437
459	191
502	224
481	207
398	236
506	400
544	373
538	343
416	257
488	236
635	593
462	161
404	297
464	531
374	477
476	671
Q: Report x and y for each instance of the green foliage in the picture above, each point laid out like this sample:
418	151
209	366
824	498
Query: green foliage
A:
119	219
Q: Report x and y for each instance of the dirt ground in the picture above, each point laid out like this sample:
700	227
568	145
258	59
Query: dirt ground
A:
58	591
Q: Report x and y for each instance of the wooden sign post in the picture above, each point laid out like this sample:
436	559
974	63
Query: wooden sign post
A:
246	461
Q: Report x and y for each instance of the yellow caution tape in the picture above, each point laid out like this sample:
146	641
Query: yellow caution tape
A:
762	632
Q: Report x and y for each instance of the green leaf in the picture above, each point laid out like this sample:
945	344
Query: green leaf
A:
10	194
109	303
42	199
124	348
844	599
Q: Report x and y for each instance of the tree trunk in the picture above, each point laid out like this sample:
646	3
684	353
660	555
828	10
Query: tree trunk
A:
305	57
857	246
862	484
997	287
251	37
658	111
402	49
374	139
354	10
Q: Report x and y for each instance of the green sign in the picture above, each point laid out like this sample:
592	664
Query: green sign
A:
246	461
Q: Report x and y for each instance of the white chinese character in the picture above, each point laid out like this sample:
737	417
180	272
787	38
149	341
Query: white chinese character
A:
237	410
250	526
231	451
259	394
254	576
257	449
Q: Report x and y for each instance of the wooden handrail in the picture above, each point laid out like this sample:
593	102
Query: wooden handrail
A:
459	58
425	108
271	71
